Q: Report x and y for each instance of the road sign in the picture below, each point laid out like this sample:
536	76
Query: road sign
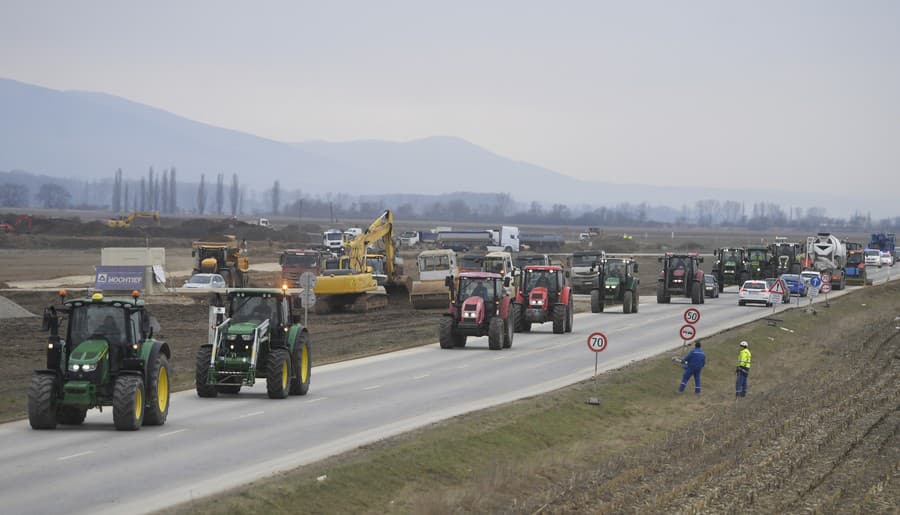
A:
687	332
815	282
308	298
826	278
308	280
826	288
597	342
778	288
692	315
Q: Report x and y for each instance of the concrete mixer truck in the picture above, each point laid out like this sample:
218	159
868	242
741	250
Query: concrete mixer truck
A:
825	253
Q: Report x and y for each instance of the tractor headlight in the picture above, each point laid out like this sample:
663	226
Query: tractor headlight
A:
74	367
469	314
537	303
247	337
231	337
88	368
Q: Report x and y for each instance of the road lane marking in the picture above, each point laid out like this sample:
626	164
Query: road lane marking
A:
253	414
423	376
85	453
170	433
499	357
462	366
317	399
371	387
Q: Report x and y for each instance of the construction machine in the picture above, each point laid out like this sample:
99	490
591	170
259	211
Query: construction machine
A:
430	291
294	262
617	282
855	269
479	306
253	334
146	217
471	262
680	276
355	287
826	254
786	257
105	356
21	222
545	296
731	267
227	258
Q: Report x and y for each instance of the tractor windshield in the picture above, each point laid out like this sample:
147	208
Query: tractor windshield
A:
97	320
254	309
476	288
757	255
494	265
730	255
471	262
544	278
615	269
676	262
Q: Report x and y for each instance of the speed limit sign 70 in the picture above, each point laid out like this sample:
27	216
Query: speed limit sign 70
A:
597	342
687	332
692	315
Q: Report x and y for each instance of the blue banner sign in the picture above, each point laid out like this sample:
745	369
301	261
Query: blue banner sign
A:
124	278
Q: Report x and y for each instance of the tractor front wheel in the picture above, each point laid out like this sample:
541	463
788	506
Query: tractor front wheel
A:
637	302
570	320
128	403
42	402
559	319
596	301
696	293
157	392
278	374
496	330
70	415
518	311
627	302
302	365
201	378
445	333
510	330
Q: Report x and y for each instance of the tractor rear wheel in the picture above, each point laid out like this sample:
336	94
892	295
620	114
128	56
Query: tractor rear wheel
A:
302	365
201	378
42	402
128	403
661	297
696	293
559	319
519	316
496	331
278	374
596	302
157	392
627	302
70	415
570	320
510	330
445	333
702	295
637	302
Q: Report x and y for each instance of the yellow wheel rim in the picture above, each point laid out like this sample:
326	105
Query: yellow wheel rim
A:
138	404
284	375
304	364
162	389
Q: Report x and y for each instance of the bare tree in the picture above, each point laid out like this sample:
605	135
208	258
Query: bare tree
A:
53	196
276	197
143	195
220	193
13	195
165	192
173	191
235	192
117	192
201	194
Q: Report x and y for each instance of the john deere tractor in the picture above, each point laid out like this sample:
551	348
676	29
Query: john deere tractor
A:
731	267
616	282
252	336
106	357
759	262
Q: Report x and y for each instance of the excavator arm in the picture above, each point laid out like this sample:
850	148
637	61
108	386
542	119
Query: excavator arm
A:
381	229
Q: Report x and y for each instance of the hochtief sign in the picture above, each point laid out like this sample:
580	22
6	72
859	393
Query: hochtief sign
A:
119	278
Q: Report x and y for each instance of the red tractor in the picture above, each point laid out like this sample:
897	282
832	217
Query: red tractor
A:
545	295
479	306
680	276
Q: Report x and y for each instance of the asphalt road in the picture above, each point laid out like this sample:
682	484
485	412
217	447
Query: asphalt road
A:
212	444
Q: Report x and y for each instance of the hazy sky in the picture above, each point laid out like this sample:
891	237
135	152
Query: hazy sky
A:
783	93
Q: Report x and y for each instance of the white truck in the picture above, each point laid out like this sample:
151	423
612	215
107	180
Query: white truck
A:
333	240
506	238
409	238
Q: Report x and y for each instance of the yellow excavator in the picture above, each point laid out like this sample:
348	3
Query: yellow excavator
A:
227	258
354	287
150	217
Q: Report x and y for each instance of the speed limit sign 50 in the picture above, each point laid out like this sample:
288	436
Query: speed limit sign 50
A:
692	315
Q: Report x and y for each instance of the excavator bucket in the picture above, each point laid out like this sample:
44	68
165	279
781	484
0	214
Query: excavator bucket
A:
429	294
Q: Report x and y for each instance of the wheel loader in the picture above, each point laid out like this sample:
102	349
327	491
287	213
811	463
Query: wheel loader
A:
106	356
253	335
434	266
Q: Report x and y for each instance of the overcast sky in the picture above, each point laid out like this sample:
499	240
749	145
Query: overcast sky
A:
784	93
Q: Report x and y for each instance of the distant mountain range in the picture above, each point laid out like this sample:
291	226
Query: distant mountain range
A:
90	135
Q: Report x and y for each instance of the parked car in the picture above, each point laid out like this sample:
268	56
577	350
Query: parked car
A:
208	281
887	258
783	292
795	284
754	292
873	257
710	285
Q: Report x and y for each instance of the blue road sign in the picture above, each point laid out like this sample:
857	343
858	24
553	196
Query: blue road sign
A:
815	282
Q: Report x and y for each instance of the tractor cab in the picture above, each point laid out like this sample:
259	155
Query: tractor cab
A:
759	258
541	285
681	276
617	282
479	306
106	357
545	296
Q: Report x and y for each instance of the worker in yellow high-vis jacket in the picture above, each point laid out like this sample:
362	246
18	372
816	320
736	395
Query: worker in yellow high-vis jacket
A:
742	370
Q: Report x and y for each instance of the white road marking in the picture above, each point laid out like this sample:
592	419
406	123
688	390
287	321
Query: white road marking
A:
371	387
499	357
423	376
462	366
170	433
252	414
317	399
85	453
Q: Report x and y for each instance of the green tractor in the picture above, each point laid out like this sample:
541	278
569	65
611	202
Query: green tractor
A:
731	267
619	284
759	262
107	358
253	335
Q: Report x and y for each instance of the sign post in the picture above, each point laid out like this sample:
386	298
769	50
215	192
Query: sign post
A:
826	286
688	331
596	342
814	284
307	282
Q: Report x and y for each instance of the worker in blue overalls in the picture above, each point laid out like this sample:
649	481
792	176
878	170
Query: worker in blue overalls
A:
693	363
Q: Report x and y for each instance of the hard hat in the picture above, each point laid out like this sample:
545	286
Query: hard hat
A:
744	344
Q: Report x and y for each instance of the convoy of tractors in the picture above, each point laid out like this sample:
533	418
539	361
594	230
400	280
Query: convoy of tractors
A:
101	349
